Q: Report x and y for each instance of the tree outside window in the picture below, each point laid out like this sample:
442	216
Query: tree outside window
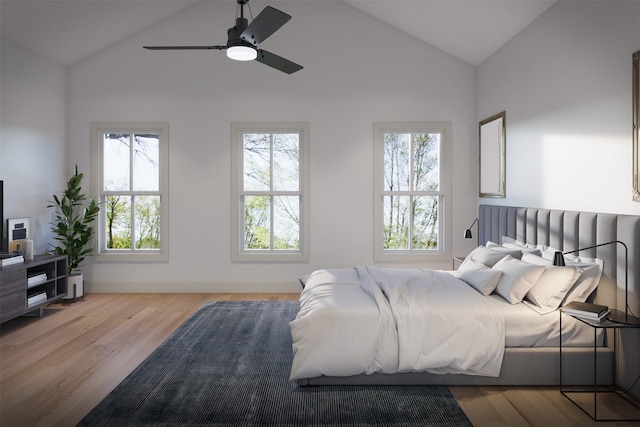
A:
412	190
270	198
130	186
131	181
411	176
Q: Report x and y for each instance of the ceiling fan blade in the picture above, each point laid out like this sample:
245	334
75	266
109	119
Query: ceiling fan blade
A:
265	24
184	47
277	62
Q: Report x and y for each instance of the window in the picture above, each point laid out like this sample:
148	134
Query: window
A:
270	203
130	180
412	191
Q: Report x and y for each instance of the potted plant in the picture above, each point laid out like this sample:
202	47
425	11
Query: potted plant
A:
73	229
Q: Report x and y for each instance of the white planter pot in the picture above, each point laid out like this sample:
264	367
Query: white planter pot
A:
75	285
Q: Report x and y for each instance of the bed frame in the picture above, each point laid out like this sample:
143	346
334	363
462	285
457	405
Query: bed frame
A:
564	230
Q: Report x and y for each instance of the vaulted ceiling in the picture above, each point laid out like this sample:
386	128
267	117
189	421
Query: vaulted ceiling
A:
67	31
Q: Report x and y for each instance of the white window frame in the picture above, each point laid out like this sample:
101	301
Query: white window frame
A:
238	254
138	255
443	253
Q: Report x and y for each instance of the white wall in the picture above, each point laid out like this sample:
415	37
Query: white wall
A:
32	137
357	71
565	83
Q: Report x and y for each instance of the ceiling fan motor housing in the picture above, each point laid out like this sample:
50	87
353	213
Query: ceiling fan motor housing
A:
233	34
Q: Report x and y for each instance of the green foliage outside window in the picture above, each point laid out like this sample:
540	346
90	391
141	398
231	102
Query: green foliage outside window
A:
411	173
271	163
131	175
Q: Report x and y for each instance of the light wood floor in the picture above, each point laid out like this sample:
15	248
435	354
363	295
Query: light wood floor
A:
55	369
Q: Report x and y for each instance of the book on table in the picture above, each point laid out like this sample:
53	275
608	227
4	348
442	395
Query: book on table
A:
36	278
586	310
36	298
7	259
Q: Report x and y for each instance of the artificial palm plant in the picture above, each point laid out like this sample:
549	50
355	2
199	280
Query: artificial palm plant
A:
73	225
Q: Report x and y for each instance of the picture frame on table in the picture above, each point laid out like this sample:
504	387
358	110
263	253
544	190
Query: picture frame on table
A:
18	230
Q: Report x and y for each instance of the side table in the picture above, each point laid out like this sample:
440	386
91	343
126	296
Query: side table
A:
459	259
574	393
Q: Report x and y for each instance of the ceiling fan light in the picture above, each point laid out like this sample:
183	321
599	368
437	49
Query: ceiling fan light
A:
242	53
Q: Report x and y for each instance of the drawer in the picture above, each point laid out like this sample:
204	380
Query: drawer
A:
12	280
12	304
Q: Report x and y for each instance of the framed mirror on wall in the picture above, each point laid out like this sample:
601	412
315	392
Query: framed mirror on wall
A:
492	153
635	127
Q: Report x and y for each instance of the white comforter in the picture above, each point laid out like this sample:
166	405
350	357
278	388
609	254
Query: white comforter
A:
370	319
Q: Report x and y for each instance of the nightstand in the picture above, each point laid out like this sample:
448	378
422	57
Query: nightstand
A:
601	394
459	259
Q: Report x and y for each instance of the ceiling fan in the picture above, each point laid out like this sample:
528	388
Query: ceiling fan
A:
243	39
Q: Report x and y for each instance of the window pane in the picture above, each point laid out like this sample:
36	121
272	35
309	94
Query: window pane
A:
396	161
257	211
147	222
425	222
396	222
286	223
269	208
286	162
146	162
426	161
133	190
118	222
116	161
257	154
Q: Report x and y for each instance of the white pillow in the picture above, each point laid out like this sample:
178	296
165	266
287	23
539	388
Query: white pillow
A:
590	273
523	249
480	277
510	243
583	259
536	259
518	278
589	279
484	256
513	243
514	252
551	287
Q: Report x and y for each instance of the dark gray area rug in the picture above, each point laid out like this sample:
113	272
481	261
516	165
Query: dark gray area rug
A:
229	365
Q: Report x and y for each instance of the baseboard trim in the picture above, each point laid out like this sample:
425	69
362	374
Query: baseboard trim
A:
189	287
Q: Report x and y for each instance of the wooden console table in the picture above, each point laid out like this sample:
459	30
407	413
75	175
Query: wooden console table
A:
26	287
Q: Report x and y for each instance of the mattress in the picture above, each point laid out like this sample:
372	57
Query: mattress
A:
524	327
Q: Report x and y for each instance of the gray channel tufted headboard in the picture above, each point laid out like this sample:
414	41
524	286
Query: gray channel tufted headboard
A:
570	230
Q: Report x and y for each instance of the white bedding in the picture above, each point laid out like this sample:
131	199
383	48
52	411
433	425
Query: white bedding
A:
368	319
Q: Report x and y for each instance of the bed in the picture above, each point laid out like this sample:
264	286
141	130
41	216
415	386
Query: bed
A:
369	325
